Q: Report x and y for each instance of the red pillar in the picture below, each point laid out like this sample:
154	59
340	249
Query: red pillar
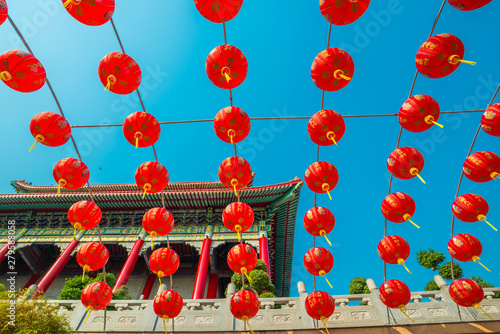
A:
5	250
148	286
213	286
201	273
56	268
129	265
264	251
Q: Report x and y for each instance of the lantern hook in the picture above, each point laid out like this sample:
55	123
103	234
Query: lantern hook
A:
5	76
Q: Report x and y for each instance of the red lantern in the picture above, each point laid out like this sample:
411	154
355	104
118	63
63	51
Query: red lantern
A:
92	256
394	250
226	66
482	166
490	121
320	305
235	172
326	127
218	11
164	262
321	177
467	5
4	11
96	296
319	221
318	262
84	215
119	73
152	177
244	305
238	217
91	13
440	55
21	71
466	293
419	113
167	305
141	129
70	173
158	222
395	294
465	247
398	208
50	129
406	163
332	69
343	12
232	125
242	259
471	208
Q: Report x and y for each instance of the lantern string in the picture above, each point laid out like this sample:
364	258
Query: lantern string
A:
33	146
407	316
224	28
154	152
413	223
483	266
408	270
493	227
251	330
87	317
482	309
327	281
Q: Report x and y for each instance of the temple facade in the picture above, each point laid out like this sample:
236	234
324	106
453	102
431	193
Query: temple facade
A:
45	248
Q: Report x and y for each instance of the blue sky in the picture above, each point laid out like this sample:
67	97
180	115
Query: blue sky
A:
170	41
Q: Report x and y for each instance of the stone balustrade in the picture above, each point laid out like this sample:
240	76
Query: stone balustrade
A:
210	315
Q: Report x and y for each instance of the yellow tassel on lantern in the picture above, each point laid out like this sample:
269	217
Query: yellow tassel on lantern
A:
234	183
245	272
68	2
340	73
476	259
85	268
164	323
324	320
323	234
483	218
429	119
5	76
401	261
147	187
331	135
160	275
326	187
403	309
251	330
111	81
226	71
407	217
476	306
61	183
136	142
468	62
237	228
39	138
89	309
153	236
74	235
414	172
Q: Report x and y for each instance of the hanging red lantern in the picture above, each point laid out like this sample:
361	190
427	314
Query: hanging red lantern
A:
152	177
70	173
319	221
119	73
21	71
167	305
164	262
321	177
406	163
244	305
482	166
490	121
398	208
84	215
50	129
218	11
232	125
96	296
318	262
465	247
440	55
4	11
320	306
238	217
158	222
332	69
344	11
466	293
141	129
467	5
419	113
326	127
242	259
471	208
235	172
226	66
91	13
92	256
395	294
394	249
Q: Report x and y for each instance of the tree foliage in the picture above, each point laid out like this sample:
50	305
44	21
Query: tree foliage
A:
73	287
430	259
260	281
431	286
32	316
445	270
484	284
358	286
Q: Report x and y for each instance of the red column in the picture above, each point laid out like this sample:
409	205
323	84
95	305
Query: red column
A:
56	268
148	286
264	251
213	286
201	273
129	265
4	251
